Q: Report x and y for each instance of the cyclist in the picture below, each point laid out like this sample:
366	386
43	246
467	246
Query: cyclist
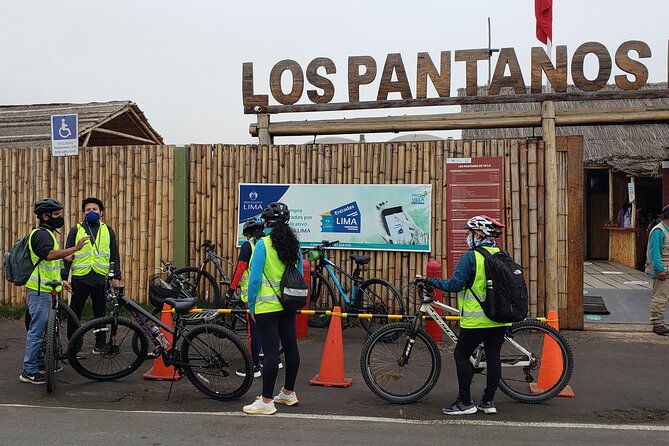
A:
475	327
47	255
272	253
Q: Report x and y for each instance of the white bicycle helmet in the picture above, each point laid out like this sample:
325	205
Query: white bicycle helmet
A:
485	225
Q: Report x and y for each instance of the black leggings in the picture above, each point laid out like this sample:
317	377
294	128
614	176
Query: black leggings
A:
80	293
468	340
276	329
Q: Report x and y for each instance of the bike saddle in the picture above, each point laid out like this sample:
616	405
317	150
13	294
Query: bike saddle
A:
181	306
53	284
360	260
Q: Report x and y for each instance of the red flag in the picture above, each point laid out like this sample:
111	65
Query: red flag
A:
543	11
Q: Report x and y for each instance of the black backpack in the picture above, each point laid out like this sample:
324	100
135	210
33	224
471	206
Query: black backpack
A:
506	297
293	289
18	264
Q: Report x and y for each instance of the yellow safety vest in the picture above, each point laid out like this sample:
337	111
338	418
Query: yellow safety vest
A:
267	300
244	283
47	270
471	313
92	257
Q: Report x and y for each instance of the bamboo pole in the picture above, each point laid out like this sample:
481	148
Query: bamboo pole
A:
548	131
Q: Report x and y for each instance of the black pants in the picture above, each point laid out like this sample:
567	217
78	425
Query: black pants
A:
278	329
81	292
468	340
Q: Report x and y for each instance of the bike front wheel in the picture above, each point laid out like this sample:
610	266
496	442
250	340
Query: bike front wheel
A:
51	350
378	296
211	356
537	362
202	286
97	354
392	376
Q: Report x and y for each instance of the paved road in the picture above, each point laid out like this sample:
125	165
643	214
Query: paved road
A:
620	381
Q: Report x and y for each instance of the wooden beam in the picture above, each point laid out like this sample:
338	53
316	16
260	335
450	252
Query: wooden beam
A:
551	194
123	135
147	130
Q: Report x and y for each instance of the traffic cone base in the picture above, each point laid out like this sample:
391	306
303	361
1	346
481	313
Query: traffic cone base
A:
159	371
566	392
331	373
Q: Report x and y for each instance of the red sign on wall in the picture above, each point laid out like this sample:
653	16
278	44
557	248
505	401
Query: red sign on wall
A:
473	187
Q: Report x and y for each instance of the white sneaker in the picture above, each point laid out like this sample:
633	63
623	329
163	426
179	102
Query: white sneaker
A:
259	407
288	400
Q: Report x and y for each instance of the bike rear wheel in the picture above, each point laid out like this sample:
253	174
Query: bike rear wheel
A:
377	296
385	372
321	297
51	350
202	286
95	354
211	355
546	371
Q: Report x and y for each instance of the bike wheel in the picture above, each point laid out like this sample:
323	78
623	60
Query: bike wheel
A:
385	372
202	286
51	352
211	355
66	318
377	296
322	297
523	374
95	354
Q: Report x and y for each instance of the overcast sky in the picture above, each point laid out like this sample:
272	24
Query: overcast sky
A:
181	61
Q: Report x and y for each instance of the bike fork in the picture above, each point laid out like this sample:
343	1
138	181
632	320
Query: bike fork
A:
411	340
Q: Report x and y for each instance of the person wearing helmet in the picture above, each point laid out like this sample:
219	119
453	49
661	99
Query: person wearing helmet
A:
475	327
90	265
278	248
657	265
47	256
253	231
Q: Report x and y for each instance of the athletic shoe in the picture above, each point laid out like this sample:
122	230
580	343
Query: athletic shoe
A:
460	408
259	407
257	372
43	369
81	355
662	330
32	378
487	407
98	350
288	400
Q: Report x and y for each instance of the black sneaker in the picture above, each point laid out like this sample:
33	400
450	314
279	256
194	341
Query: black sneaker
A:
662	330
43	369
257	372
460	408
98	350
32	378
487	407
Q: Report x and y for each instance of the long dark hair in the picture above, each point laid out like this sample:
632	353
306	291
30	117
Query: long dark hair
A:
285	242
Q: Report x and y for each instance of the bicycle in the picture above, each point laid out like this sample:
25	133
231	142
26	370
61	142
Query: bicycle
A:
401	363
208	354
367	296
201	284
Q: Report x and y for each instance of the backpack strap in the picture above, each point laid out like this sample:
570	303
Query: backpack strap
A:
484	252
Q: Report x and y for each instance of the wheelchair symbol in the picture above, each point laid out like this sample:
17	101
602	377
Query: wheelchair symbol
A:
64	131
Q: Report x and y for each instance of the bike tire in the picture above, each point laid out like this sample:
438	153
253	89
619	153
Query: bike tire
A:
202	286
386	377
540	339
376	296
51	350
118	357
211	355
321	297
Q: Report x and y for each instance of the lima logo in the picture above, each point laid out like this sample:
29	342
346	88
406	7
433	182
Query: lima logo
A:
253	195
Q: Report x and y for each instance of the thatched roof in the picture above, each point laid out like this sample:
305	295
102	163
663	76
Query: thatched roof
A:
100	124
636	149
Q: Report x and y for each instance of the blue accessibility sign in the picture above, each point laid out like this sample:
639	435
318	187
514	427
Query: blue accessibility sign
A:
64	135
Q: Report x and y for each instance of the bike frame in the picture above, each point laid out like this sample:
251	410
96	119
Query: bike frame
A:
355	278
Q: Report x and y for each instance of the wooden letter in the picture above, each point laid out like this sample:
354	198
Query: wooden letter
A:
248	98
471	57
355	79
577	74
440	79
507	57
319	81
275	82
394	64
556	76
631	66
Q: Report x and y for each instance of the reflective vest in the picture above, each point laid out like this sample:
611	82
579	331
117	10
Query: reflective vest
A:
244	283
95	257
267	300
471	313
47	270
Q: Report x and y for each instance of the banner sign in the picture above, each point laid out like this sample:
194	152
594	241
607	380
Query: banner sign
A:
382	217
473	187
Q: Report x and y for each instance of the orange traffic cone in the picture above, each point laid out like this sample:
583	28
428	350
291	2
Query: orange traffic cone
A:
160	371
551	362
332	363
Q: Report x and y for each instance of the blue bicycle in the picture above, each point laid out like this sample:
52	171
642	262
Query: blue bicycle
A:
376	296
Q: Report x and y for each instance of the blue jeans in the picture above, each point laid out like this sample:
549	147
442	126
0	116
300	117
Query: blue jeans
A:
38	307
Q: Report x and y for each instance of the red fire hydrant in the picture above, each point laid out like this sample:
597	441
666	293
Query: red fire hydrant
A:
434	270
301	320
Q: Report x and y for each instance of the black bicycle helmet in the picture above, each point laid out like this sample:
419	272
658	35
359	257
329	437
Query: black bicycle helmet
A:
276	212
97	201
252	225
160	289
46	205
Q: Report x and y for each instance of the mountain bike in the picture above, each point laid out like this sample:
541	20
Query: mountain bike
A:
208	354
200	283
401	363
373	296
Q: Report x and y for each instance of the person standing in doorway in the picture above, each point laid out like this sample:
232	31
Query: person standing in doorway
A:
91	264
657	266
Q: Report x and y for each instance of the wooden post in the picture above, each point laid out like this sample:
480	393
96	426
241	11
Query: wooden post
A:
612	216
548	131
633	203
264	137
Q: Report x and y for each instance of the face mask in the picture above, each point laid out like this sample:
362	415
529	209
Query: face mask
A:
57	222
470	240
92	217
